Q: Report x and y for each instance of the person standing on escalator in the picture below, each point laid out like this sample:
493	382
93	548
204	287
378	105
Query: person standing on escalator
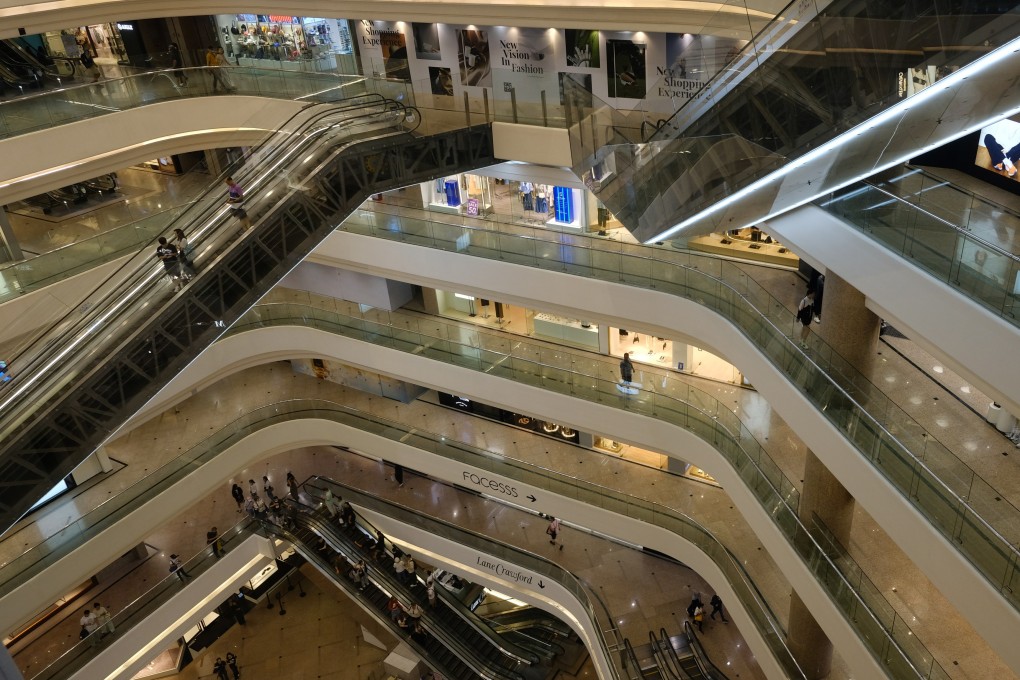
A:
167	254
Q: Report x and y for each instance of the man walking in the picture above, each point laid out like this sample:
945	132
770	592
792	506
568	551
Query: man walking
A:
232	663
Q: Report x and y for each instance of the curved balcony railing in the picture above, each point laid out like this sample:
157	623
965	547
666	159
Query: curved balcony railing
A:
34	561
142	607
665	398
967	510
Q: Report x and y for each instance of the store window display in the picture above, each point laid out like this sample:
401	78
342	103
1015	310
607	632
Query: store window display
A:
751	243
458	194
290	42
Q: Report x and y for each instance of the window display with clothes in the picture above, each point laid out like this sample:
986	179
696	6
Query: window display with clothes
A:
527	188
452	190
542	199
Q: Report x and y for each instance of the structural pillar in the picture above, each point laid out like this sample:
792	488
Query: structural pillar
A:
847	325
7	236
822	497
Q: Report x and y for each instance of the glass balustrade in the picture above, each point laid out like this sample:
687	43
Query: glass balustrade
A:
961	505
144	606
933	227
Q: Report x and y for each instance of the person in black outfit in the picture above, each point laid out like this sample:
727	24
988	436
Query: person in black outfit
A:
212	537
626	368
167	254
220	669
716	603
238	494
232	662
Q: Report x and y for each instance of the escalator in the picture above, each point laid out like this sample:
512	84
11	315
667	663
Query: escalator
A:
452	616
82	377
682	661
847	62
472	643
533	629
374	599
642	666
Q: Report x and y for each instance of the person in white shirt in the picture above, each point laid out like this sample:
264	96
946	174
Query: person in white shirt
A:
89	625
104	621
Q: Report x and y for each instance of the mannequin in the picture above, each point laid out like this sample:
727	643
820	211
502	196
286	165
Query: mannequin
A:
526	190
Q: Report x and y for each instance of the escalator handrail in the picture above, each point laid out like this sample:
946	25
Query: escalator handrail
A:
845	193
664	664
458	609
386	581
630	660
45	348
670	653
705	664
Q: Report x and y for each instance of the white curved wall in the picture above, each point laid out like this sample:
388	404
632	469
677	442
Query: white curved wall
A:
84	149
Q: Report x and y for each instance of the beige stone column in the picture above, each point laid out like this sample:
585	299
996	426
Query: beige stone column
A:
847	325
823	496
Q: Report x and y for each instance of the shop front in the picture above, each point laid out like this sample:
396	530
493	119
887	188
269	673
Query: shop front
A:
544	197
287	42
751	244
644	348
560	432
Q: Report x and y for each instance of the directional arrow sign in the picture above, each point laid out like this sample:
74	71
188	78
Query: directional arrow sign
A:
540	584
531	498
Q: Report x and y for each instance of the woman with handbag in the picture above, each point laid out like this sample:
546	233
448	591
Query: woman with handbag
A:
805	312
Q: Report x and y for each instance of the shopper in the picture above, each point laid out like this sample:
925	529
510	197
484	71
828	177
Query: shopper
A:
235	199
626	368
237	609
88	627
819	293
253	489
177	567
398	568
553	530
329	502
90	67
805	312
268	489
220	668
238	494
394	609
409	571
716	603
232	663
177	63
292	485
184	251
699	618
211	62
415	611
223	65
104	621
167	254
347	517
430	590
212	538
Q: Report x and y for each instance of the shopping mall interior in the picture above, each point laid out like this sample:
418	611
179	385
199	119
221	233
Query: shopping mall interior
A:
468	340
